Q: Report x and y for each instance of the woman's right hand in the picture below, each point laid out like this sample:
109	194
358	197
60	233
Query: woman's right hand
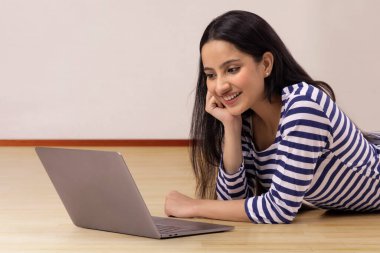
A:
232	150
220	112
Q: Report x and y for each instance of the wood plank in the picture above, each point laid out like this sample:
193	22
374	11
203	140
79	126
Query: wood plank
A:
33	219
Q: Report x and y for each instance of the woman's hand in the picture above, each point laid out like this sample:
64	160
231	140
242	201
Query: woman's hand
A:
219	111
182	206
179	205
232	151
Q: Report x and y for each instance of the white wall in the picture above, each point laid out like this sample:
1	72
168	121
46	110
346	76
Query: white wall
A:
81	69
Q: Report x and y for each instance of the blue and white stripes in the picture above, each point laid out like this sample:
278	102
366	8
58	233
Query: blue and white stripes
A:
318	156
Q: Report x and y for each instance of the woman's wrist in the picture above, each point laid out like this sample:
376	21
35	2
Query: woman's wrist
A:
233	210
234	125
196	208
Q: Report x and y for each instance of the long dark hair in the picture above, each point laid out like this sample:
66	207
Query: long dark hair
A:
254	36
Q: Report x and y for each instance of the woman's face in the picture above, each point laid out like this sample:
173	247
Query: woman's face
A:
234	78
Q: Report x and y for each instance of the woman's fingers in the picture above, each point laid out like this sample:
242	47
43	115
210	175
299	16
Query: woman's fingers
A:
212	102
179	205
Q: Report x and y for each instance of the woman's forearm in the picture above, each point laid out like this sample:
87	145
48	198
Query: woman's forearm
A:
232	151
182	206
231	210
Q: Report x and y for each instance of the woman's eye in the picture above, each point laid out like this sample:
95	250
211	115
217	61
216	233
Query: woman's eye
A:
209	76
233	70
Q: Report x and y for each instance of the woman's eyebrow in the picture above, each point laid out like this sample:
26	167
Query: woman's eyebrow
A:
223	64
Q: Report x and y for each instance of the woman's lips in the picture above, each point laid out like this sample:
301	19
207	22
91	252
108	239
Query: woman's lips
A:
230	99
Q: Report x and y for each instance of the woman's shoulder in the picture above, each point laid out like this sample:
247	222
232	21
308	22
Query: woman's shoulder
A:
305	94
301	89
306	105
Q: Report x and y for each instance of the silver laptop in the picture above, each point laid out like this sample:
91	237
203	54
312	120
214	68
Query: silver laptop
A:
98	192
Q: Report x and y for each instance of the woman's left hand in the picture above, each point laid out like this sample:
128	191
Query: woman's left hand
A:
182	206
179	205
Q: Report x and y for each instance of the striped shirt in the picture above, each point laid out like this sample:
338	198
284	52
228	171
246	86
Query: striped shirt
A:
318	156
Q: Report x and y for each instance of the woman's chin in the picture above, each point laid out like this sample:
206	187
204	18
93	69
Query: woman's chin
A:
236	111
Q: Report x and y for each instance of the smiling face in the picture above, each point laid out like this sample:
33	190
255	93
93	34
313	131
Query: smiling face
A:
234	77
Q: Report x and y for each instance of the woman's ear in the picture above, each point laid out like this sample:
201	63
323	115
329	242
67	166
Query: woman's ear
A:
267	62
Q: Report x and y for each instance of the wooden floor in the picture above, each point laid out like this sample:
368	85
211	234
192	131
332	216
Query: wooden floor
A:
32	218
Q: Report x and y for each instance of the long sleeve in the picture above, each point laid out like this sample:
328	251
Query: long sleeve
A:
305	134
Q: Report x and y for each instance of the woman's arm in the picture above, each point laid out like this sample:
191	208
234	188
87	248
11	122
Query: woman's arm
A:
236	183
232	151
181	206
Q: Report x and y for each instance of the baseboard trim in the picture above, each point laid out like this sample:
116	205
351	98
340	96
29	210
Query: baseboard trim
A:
127	143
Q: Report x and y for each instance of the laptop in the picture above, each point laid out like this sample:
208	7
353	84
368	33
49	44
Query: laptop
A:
98	192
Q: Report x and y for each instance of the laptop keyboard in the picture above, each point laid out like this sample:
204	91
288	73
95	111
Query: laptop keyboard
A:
172	226
166	229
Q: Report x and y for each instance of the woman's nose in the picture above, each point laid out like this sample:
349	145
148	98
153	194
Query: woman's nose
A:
222	86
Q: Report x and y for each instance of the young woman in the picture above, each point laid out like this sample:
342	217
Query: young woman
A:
267	137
